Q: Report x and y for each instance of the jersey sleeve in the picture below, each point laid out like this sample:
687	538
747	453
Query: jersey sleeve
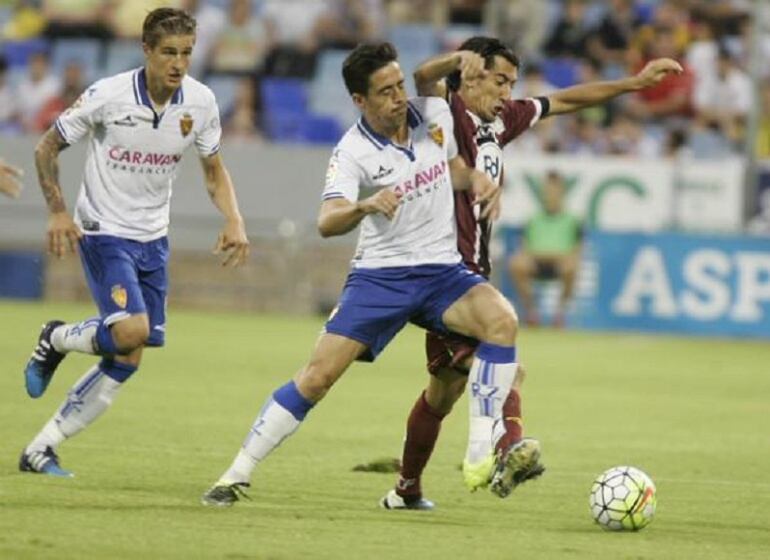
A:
208	138
519	115
343	177
83	115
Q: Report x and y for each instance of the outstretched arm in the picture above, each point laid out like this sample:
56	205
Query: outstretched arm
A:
62	231
585	95
232	240
429	76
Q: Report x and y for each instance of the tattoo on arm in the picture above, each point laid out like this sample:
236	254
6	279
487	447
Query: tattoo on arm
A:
47	164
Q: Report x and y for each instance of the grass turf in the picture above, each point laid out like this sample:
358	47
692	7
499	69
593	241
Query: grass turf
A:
690	412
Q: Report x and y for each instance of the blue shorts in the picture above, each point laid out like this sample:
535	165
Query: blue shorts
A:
376	303
127	278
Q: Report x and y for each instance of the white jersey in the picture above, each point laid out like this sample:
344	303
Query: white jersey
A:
134	153
423	229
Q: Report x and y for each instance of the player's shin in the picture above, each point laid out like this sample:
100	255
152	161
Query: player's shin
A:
280	417
91	336
491	377
422	430
88	399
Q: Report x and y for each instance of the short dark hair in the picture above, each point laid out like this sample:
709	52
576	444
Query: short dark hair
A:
363	61
488	48
166	21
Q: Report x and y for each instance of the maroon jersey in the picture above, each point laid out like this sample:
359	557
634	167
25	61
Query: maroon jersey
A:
481	146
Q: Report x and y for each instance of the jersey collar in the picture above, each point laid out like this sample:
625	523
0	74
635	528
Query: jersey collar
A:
141	95
413	119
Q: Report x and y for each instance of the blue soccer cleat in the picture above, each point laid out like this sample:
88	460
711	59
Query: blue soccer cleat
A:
42	462
392	500
43	362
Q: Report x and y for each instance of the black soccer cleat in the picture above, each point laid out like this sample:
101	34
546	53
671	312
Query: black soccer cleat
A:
515	466
224	495
43	362
42	462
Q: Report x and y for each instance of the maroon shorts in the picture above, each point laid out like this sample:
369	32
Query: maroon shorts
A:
448	351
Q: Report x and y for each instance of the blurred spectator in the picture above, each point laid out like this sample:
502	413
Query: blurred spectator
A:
72	87
416	11
350	22
609	41
569	36
763	129
672	96
627	137
127	16
520	23
27	22
702	51
241	122
726	98
35	89
295	26
78	18
242	43
211	20
8	105
550	249
468	12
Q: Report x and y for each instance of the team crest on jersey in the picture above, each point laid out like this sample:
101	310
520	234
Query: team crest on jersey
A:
437	133
119	296
186	124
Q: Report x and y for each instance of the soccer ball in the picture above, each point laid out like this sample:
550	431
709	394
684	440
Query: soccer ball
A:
623	499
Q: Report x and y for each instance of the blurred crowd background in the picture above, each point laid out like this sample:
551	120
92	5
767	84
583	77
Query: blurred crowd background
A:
275	64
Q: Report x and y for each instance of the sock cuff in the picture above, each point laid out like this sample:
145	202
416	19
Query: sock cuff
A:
496	354
104	342
428	409
292	400
118	371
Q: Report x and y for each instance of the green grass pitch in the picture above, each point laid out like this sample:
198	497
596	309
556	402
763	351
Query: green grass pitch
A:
693	413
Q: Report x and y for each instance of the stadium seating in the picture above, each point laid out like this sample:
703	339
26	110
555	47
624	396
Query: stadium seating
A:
85	52
121	56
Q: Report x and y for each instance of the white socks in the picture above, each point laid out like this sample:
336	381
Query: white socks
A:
86	401
78	337
272	426
488	386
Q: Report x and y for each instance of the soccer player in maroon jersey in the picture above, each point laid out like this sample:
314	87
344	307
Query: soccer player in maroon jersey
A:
476	80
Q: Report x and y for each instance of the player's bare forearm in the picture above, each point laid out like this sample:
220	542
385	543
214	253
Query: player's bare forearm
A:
47	164
220	188
429	76
461	174
585	95
338	216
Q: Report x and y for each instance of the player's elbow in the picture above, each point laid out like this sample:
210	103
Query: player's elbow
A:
325	228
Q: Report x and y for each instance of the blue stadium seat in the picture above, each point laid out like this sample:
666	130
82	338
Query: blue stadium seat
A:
17	52
284	126
560	72
320	129
415	38
288	95
454	35
85	52
327	92
121	56
224	88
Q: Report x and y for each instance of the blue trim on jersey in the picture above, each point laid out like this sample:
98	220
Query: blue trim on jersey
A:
496	354
380	141
60	128
142	96
330	196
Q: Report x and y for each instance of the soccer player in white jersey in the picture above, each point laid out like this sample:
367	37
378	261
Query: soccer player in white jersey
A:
393	173
138	124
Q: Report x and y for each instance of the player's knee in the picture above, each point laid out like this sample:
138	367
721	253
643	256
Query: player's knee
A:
131	335
501	328
315	380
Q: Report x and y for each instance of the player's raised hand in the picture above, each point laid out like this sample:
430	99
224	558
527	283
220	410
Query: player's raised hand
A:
656	70
232	243
384	202
10	179
63	234
471	66
487	193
